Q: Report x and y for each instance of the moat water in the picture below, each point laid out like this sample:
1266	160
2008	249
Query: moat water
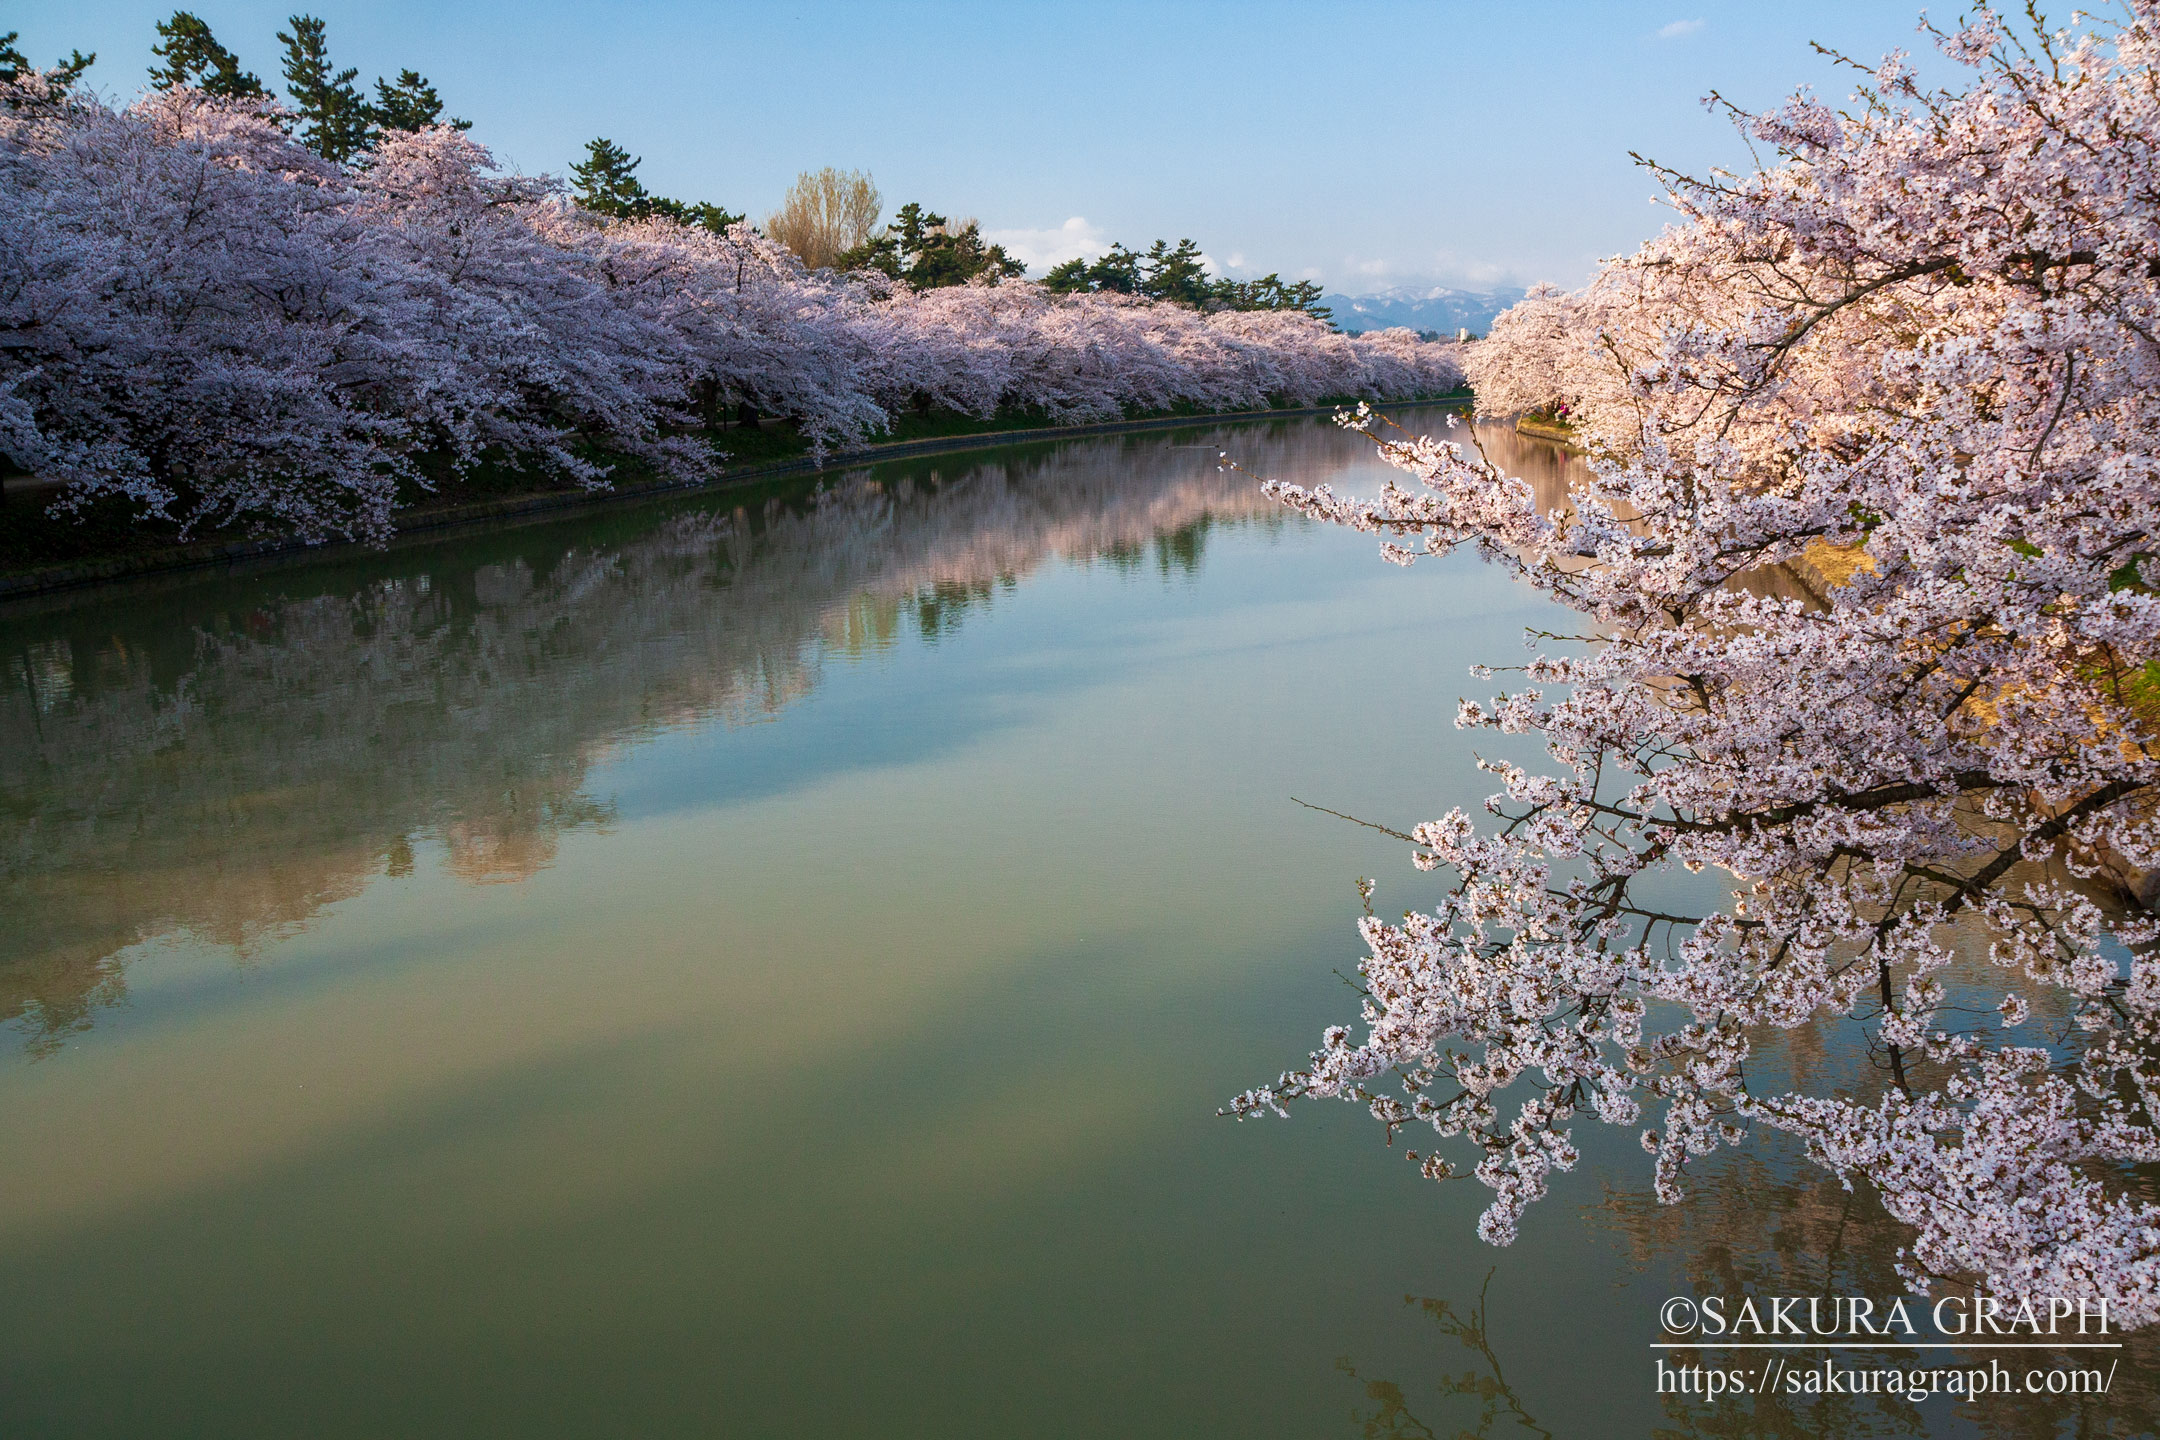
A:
768	965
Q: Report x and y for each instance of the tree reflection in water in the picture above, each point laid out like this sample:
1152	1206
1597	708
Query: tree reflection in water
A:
1759	1227
1753	1226
1497	1402
224	763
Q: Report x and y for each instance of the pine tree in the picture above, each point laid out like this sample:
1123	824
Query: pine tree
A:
411	104
194	58
715	218
606	184
1177	275
334	119
64	73
928	251
1117	270
1272	292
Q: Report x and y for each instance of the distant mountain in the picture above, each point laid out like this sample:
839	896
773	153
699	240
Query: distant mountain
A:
1427	308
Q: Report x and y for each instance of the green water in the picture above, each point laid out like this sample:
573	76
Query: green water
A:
691	970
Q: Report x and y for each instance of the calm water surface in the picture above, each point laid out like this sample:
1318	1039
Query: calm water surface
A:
771	968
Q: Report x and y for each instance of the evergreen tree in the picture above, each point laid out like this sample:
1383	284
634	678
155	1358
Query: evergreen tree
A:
715	218
194	58
1177	275
927	251
64	73
334	119
1068	278
1271	292
1116	269
411	104
607	182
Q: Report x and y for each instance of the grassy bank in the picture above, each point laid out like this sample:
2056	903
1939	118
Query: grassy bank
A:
1546	427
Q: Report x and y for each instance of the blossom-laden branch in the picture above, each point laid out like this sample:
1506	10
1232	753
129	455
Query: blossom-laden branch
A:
1914	353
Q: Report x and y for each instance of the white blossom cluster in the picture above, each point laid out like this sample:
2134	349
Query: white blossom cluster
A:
1915	356
202	316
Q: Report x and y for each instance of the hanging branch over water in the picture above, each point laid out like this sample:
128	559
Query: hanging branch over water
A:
1915	355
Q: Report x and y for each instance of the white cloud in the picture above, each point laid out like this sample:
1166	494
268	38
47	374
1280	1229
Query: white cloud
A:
1678	28
1442	269
1076	239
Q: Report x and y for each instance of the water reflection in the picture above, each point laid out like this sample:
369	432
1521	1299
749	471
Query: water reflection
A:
1548	468
224	771
638	1147
1499	1411
1760	1225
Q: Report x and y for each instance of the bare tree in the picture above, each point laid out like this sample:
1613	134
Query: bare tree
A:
825	214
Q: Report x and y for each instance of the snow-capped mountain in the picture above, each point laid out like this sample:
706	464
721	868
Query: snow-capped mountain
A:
1434	307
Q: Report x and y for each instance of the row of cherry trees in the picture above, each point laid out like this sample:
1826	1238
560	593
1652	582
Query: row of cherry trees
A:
1917	355
201	315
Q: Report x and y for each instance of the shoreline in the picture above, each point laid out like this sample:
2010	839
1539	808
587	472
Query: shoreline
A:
1552	434
232	555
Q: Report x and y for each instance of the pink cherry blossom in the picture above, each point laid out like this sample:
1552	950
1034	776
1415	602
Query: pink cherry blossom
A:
207	320
1867	566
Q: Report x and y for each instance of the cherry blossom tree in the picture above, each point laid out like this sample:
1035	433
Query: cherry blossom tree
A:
1920	340
203	378
1537	357
208	320
536	354
222	328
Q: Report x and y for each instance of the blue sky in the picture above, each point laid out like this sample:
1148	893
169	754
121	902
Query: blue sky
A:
1367	145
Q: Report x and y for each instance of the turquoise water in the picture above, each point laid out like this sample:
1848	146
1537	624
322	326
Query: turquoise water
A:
771	968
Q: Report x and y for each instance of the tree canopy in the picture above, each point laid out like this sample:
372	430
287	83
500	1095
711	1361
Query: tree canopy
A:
193	57
1179	275
334	119
409	104
607	184
1868	559
64	73
236	314
825	214
928	251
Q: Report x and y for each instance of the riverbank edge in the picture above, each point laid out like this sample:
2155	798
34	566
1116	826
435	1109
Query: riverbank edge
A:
1558	435
212	555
